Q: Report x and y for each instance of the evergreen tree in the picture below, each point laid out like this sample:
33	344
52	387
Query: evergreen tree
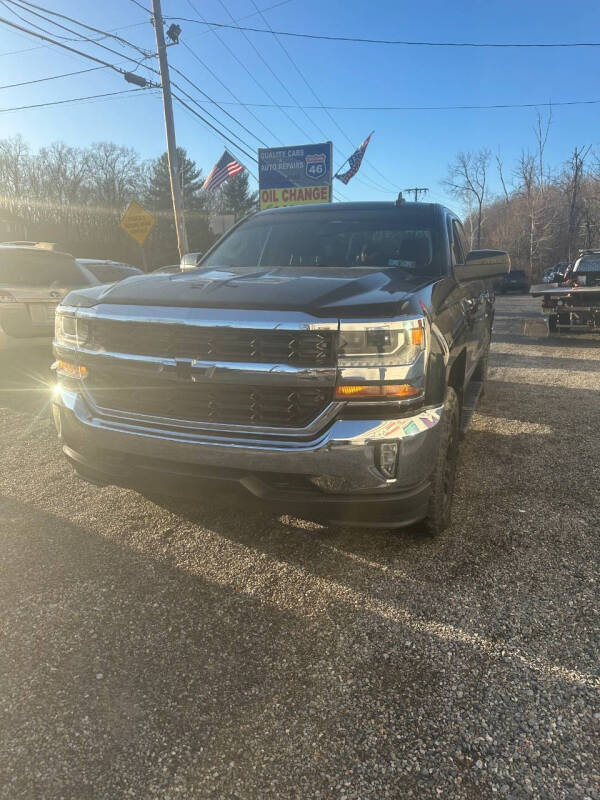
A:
159	183
236	198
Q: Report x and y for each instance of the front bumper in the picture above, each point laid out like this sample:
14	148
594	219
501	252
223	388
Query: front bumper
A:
12	342
333	476
17	330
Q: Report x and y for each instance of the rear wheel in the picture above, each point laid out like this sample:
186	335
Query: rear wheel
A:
444	472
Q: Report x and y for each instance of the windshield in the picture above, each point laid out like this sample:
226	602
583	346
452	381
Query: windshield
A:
43	269
396	238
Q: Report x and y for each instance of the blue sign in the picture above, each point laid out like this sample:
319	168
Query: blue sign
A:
295	175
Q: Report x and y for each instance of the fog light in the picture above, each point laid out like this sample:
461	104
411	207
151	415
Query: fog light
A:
387	458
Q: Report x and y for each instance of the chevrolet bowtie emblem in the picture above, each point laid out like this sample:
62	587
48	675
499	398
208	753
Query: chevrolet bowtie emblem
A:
187	371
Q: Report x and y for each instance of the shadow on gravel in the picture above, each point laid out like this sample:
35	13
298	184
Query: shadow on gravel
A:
116	664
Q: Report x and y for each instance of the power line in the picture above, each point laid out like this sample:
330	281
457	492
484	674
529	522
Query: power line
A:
250	74
224	110
294	63
227	88
210	125
142	6
70	100
42	46
50	78
545	104
186	94
247	16
64	46
31	24
296	67
216	119
402	42
80	35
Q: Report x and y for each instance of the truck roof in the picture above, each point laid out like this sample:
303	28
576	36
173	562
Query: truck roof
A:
357	206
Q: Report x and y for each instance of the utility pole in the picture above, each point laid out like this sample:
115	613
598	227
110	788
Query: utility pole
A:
417	191
176	192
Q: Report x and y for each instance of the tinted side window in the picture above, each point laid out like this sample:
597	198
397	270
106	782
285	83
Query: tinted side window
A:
462	236
457	244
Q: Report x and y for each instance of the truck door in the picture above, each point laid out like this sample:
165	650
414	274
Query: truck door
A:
474	301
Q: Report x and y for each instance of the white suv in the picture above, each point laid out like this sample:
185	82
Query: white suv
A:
33	280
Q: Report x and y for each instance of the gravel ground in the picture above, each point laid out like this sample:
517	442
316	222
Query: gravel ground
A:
214	652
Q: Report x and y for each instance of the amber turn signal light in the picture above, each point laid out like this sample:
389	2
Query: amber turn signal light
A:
393	391
68	370
417	337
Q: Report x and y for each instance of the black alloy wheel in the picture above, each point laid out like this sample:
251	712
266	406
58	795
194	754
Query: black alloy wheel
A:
443	476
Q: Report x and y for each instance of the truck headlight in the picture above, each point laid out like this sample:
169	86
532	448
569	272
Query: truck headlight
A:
70	330
373	344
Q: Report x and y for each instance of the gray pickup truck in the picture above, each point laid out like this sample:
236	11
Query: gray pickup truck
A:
321	358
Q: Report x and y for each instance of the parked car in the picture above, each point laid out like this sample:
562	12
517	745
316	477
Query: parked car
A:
322	358
109	271
34	277
515	281
556	273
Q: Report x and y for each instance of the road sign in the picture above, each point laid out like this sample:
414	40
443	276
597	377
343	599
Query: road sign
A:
137	222
289	176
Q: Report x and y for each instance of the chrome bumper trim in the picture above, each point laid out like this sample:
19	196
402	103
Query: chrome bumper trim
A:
345	453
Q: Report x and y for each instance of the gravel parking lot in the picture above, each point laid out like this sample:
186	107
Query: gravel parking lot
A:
209	651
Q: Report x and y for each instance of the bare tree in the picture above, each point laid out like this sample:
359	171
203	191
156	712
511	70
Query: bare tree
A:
541	130
572	181
467	181
116	175
14	170
501	176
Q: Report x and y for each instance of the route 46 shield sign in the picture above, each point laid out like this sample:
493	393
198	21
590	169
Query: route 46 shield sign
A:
316	165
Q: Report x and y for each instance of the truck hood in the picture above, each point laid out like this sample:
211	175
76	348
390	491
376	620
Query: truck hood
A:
320	291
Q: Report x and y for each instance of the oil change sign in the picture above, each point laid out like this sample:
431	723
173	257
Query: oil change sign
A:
290	176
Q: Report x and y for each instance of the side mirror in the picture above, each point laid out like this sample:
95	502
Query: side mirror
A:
190	260
482	264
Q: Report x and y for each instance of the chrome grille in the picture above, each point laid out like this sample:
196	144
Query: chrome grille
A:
172	340
272	406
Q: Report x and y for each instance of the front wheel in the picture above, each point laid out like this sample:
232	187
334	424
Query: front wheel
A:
444	472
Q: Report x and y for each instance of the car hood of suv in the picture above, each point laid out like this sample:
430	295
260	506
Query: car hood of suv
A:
320	291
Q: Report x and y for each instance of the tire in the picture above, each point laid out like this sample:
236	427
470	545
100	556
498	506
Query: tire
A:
553	323
444	471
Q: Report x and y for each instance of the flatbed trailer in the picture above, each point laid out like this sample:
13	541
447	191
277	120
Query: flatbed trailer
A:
569	307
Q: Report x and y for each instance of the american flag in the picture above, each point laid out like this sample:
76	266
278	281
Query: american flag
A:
226	167
355	161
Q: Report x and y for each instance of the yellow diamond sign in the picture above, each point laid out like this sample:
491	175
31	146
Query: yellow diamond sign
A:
137	222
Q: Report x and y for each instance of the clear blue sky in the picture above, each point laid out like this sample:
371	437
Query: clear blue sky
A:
410	148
